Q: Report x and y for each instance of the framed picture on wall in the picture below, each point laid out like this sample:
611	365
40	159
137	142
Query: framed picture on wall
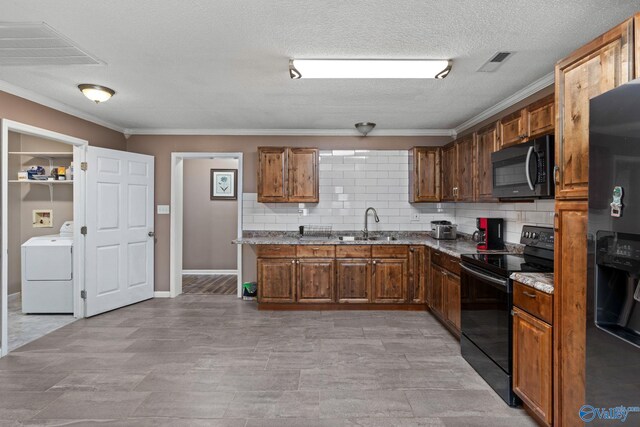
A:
224	184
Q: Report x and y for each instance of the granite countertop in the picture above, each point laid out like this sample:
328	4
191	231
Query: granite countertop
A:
540	281
453	248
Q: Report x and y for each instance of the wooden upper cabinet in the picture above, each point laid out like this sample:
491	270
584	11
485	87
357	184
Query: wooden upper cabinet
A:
513	128
389	280
288	175
487	142
465	169
532	364
541	117
448	167
424	174
272	174
595	68
303	175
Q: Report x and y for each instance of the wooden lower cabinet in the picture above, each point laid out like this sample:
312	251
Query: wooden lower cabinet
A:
389	280
418	260
316	280
452	300
353	280
276	279
532	364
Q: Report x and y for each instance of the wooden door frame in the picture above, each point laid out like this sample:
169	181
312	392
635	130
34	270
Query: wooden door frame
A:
176	212
79	216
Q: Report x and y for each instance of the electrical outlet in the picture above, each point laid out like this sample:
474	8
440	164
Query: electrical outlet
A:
163	209
42	218
415	217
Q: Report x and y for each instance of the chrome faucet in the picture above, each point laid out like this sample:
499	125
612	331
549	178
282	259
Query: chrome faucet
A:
366	221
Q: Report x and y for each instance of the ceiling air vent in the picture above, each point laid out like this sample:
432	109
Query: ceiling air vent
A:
39	44
495	62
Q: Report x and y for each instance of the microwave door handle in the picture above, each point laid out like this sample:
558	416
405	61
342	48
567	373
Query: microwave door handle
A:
526	168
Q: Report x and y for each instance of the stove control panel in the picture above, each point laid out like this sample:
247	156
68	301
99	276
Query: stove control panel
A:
538	237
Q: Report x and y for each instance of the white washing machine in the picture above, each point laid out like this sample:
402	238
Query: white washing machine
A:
47	273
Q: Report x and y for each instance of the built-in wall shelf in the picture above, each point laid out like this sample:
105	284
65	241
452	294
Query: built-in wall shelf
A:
35	181
45	155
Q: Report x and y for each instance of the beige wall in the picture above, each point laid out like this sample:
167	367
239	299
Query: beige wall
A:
27	112
162	146
209	226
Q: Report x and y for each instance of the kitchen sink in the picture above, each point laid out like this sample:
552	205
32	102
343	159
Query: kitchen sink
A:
372	238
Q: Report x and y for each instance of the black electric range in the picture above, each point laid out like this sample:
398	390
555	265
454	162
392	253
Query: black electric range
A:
486	303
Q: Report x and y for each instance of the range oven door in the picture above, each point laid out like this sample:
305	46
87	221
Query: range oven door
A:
524	170
486	314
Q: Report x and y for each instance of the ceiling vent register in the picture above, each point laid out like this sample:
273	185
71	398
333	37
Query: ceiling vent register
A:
33	44
495	62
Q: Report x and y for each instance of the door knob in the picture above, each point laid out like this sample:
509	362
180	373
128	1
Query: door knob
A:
151	234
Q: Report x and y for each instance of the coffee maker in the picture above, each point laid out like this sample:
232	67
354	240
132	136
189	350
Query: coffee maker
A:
489	235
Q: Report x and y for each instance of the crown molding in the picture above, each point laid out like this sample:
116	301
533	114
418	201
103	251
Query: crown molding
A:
523	93
290	132
56	105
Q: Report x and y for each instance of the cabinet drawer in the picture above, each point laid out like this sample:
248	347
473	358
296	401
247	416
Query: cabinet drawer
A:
316	251
276	251
353	251
446	261
534	302
389	251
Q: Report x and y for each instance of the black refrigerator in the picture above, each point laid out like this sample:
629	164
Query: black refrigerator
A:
613	288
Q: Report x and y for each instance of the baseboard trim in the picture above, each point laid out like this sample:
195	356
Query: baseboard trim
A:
209	272
162	294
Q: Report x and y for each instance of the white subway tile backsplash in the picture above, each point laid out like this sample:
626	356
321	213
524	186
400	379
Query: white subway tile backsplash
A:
352	180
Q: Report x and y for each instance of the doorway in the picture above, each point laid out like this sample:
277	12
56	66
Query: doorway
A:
204	220
41	221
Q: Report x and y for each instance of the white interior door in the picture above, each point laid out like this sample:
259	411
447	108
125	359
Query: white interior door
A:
119	239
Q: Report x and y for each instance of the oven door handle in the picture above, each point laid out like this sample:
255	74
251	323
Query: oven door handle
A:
501	282
526	166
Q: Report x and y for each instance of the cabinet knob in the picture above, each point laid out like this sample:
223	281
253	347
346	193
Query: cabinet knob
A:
412	249
374	263
293	261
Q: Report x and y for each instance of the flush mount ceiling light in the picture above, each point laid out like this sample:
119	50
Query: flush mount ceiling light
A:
369	68
96	93
365	127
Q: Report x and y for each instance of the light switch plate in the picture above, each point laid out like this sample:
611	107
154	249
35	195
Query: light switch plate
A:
163	209
42	218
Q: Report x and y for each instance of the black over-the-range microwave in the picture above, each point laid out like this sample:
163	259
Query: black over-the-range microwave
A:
524	170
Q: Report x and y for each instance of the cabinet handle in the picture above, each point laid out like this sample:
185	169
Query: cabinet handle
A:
555	222
276	248
529	294
556	174
315	249
412	249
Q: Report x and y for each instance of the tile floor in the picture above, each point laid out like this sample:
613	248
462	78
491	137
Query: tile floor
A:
217	361
24	328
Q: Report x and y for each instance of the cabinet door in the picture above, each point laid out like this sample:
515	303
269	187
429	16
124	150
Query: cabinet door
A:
303	178
448	169
512	129
276	279
541	117
353	280
316	280
389	280
592	70
436	287
272	174
570	310
465	166
487	142
424	176
532	363
418	258
452	300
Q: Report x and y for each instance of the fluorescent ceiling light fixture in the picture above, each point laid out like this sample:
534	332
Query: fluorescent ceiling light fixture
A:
96	93
369	68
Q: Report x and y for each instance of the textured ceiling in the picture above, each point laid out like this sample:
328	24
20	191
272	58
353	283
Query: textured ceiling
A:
223	64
